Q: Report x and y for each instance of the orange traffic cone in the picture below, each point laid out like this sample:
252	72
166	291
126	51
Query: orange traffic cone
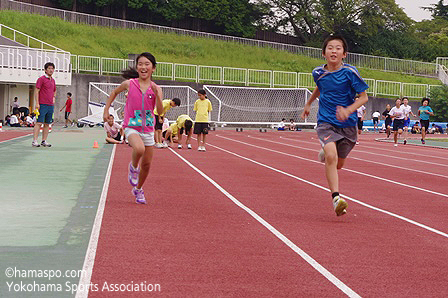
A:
95	144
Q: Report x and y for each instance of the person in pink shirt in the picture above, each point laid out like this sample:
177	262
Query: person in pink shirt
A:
44	96
113	130
143	96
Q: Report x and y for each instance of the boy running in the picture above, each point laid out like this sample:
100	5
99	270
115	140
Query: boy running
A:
424	112
202	106
337	85
407	119
167	105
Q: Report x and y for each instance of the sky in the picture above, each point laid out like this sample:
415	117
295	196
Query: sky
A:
413	10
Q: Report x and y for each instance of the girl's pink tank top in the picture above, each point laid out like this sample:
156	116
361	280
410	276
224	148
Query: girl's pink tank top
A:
139	108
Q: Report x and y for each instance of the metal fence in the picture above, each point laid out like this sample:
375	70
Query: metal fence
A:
240	76
359	60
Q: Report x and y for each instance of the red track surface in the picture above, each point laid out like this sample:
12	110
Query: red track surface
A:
194	241
11	134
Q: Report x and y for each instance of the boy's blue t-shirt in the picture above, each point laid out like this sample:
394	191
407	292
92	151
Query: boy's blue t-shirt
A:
337	88
423	115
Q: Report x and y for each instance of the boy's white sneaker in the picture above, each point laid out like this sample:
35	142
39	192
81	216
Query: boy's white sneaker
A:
165	144
321	155
339	205
179	146
159	145
189	146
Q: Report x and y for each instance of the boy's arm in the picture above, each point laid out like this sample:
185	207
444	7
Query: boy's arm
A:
342	113
430	112
63	107
123	86
307	107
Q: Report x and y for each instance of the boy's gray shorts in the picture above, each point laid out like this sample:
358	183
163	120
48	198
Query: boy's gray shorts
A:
344	137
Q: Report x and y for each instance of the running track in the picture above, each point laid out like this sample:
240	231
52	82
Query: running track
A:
284	240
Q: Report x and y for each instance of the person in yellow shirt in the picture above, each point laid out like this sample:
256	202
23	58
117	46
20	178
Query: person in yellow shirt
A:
170	134
183	124
203	107
167	105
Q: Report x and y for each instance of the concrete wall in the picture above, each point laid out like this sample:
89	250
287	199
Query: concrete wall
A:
80	91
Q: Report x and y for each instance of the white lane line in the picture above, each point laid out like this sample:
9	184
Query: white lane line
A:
327	274
384	155
89	260
16	138
324	188
343	169
352	157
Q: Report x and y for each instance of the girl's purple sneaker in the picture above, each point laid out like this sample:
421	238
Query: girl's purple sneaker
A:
133	175
139	195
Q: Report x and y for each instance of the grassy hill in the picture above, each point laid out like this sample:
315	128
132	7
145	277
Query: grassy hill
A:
80	39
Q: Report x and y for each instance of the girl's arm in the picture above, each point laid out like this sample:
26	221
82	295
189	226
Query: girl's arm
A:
123	86
159	95
307	107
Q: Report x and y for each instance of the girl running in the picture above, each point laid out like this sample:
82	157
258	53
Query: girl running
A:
407	119
138	123
398	114
388	119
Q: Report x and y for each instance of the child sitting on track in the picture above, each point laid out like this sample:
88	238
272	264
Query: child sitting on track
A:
143	96
113	130
337	85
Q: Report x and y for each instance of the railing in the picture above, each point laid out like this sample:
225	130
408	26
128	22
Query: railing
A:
25	39
240	76
443	74
359	60
33	59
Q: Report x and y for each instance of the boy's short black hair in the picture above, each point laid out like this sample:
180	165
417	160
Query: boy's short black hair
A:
283	119
110	115
188	126
425	98
176	101
405	97
69	94
333	37
48	64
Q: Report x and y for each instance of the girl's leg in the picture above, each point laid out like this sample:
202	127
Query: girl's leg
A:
405	130
145	166
331	166
138	149
112	141
395	137
388	130
423	133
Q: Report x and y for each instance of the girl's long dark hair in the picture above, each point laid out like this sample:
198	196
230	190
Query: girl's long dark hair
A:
131	72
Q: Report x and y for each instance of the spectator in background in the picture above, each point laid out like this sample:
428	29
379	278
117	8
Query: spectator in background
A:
68	110
292	125
375	117
436	129
281	125
416	128
361	112
15	120
15	105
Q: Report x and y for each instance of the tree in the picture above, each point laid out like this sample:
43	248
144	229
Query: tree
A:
438	10
439	103
310	20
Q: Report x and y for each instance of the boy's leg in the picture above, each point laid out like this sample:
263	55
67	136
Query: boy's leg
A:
203	139
199	140
112	141
331	166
